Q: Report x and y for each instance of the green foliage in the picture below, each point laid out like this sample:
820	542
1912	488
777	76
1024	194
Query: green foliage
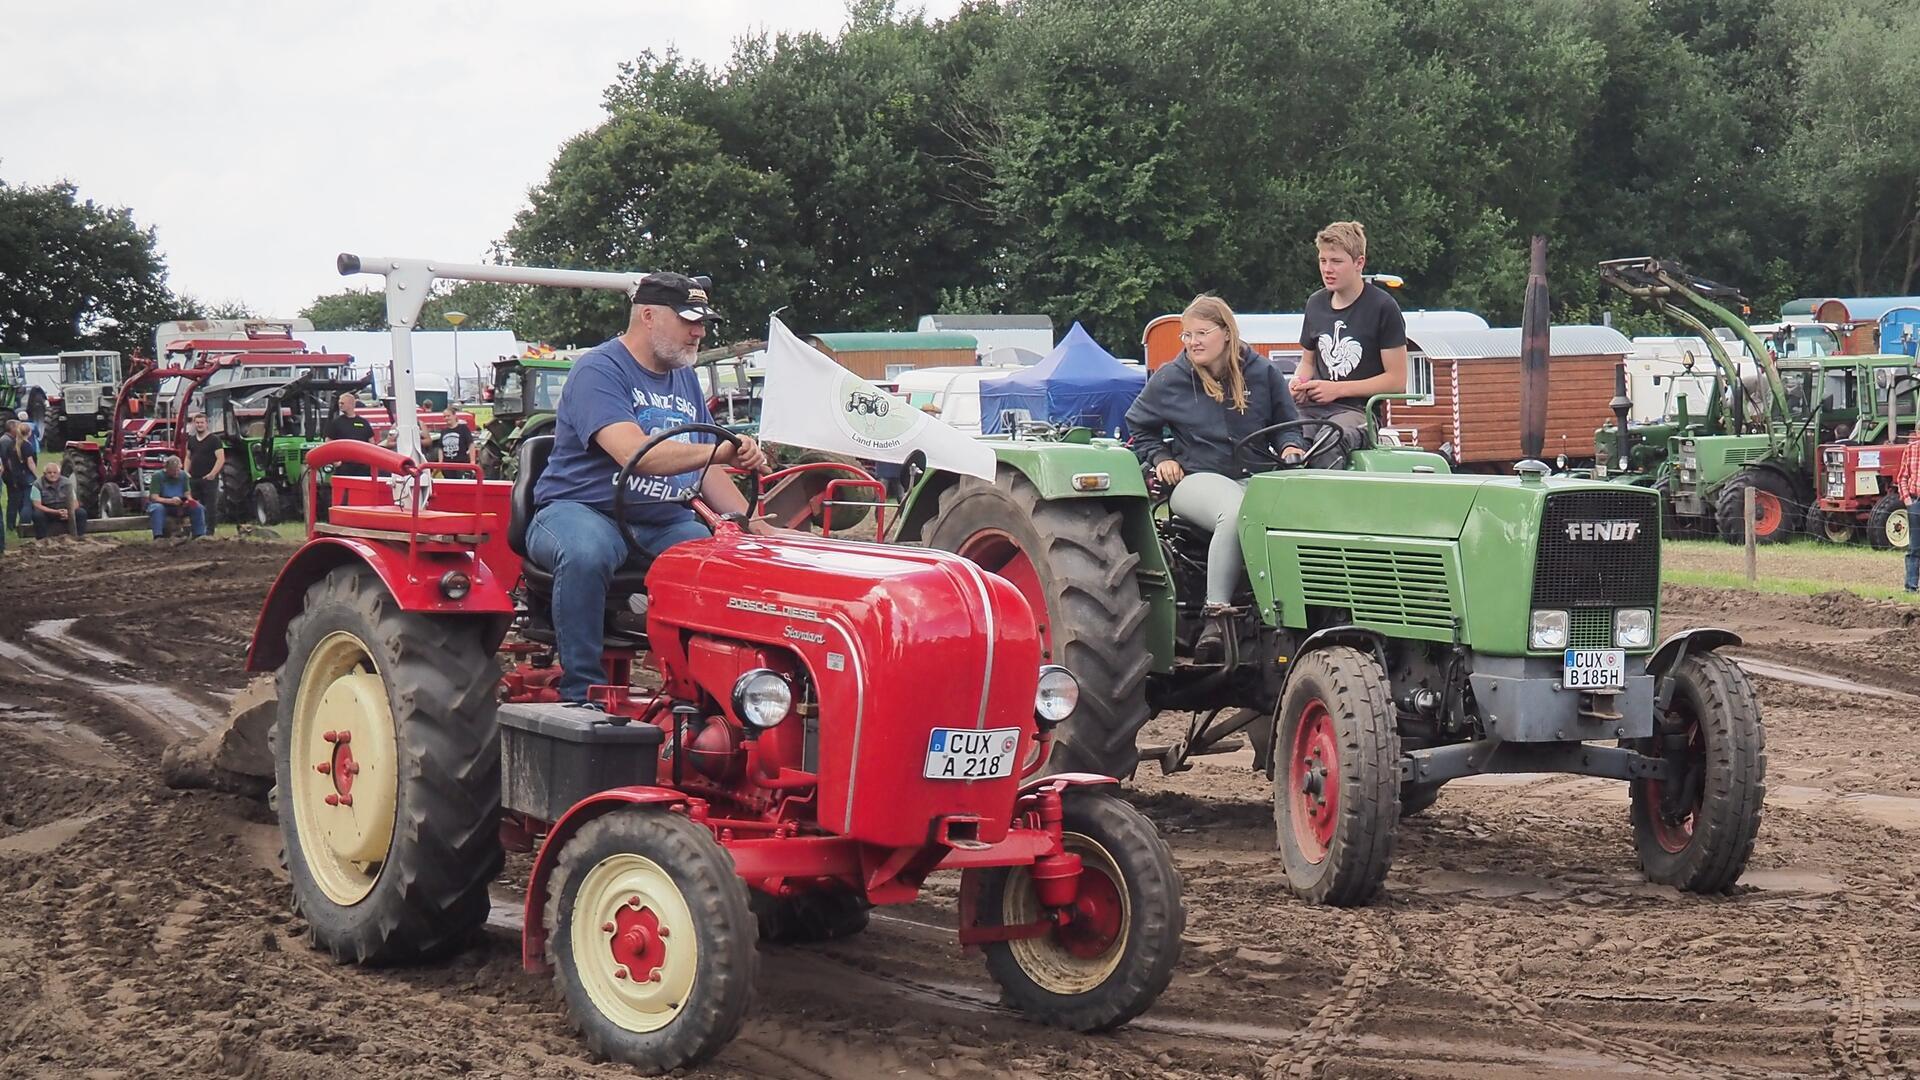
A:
348	309
75	274
487	307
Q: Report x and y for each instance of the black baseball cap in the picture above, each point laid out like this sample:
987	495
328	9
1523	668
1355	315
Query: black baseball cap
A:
687	296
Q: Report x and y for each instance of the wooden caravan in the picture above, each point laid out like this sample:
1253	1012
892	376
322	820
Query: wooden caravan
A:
1472	379
879	357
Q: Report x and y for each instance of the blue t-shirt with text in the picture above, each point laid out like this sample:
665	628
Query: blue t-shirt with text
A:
608	386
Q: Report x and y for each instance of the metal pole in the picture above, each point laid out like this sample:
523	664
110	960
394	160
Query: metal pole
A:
1752	544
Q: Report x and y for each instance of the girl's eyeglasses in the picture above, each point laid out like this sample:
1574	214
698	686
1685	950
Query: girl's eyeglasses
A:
1188	337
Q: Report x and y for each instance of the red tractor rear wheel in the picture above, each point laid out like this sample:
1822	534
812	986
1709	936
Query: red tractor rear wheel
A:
387	760
651	939
1336	777
1116	952
1887	525
1704	846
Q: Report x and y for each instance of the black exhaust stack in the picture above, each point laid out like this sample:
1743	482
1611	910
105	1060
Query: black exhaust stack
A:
1535	346
1621	404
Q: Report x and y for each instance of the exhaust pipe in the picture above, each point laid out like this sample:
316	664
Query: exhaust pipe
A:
1535	346
1621	404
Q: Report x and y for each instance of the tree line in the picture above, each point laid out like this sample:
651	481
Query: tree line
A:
1105	161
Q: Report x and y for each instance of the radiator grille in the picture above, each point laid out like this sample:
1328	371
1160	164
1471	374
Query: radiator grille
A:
1595	567
1741	455
1590	628
1408	588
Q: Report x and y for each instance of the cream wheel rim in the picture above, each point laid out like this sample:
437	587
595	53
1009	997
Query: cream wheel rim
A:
1048	962
634	947
345	782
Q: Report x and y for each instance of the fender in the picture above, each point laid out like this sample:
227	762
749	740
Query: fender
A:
413	582
1060	782
1794	484
1344	634
533	936
1676	648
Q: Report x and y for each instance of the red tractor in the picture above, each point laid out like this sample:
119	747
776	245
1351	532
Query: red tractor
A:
148	425
823	725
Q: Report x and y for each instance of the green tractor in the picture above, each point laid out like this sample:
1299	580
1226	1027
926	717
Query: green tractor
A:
13	383
1641	457
1398	627
1401	627
268	435
526	392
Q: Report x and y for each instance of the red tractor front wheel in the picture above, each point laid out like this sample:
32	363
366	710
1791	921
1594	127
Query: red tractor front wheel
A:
651	939
1336	777
1116	946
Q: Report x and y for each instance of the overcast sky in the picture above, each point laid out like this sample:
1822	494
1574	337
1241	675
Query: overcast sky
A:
261	139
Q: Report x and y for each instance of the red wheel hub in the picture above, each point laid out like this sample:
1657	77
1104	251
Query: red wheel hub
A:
1313	780
1093	921
999	552
637	942
1674	836
1767	513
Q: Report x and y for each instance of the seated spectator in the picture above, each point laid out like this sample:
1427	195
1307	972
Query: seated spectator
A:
170	494
54	507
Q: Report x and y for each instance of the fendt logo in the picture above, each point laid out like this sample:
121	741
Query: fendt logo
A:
1622	531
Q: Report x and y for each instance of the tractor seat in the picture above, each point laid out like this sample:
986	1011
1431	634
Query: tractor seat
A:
530	460
400	519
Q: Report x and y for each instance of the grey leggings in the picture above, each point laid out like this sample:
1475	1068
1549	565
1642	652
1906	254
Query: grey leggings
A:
1212	502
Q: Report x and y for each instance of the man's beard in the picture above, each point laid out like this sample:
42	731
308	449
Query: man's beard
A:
671	357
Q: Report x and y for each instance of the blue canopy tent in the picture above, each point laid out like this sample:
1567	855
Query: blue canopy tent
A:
1078	383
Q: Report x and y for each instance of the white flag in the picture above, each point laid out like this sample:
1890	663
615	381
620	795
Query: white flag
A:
812	402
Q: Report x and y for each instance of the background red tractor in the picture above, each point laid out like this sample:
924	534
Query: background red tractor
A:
824	724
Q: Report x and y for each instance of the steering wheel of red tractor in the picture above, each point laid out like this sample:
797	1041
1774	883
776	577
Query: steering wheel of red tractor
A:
632	466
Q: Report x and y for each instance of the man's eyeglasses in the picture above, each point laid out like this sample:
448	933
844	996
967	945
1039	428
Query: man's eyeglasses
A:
1188	337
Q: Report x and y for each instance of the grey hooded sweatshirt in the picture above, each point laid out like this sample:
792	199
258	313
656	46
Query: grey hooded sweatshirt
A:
1174	418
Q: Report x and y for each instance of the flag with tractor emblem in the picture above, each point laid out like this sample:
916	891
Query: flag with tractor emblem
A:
812	402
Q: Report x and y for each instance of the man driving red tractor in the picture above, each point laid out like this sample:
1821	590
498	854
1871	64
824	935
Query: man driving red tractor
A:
621	393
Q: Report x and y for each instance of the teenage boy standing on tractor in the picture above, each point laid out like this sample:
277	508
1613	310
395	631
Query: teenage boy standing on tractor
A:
1353	340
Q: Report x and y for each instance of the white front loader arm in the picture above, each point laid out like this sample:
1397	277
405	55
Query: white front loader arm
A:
410	283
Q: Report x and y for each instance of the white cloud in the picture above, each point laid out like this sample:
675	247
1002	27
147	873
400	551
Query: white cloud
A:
261	139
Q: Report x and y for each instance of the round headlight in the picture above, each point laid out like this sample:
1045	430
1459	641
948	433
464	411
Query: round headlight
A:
455	585
1057	695
762	698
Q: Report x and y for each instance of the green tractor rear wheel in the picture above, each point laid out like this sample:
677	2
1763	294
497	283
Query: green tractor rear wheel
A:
236	490
1068	557
1776	510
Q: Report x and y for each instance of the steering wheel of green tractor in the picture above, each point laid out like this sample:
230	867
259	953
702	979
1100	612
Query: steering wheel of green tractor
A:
1258	446
632	467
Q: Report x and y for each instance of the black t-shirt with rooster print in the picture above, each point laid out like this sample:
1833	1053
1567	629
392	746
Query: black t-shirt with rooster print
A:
1346	342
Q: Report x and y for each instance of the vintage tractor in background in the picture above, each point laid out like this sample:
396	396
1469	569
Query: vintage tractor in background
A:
145	426
1397	627
269	434
1856	495
526	391
84	411
823	725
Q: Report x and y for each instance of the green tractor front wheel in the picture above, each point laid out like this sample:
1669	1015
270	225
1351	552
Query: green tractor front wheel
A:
236	489
1336	777
1696	831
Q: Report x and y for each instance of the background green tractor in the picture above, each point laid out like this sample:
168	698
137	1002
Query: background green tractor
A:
269	434
526	391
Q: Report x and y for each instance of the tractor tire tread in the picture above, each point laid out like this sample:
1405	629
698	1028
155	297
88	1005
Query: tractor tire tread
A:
1732	802
1154	937
446	827
716	899
1099	616
1360	700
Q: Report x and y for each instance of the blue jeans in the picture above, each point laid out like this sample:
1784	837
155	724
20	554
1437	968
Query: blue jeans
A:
1913	547
157	517
583	548
45	523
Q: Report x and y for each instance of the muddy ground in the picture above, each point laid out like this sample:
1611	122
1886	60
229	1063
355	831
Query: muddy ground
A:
146	932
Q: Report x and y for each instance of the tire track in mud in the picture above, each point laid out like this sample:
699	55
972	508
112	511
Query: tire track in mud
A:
1461	963
1313	1048
1857	1031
